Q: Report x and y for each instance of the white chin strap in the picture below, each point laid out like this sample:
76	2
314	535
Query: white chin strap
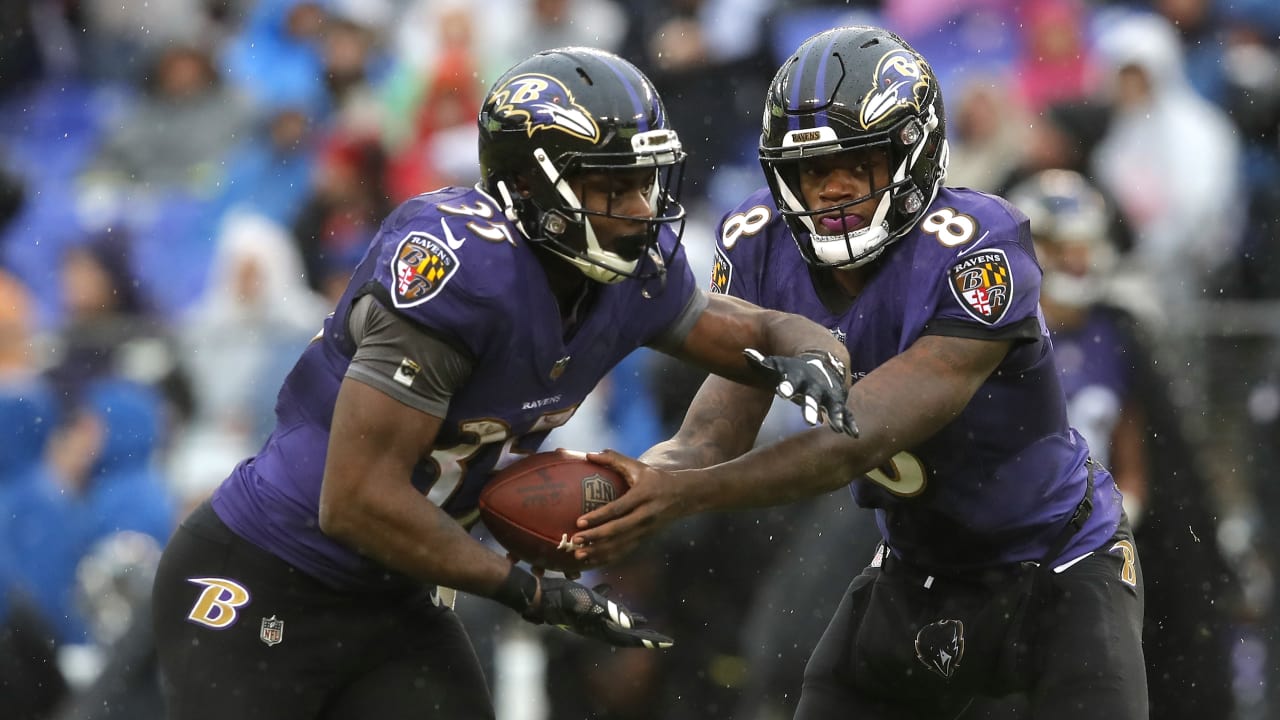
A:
850	249
595	272
856	248
600	265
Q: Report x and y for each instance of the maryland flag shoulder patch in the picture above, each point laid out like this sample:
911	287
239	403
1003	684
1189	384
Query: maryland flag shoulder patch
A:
421	267
721	272
983	284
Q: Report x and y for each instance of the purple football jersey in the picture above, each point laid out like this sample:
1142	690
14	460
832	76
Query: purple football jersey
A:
450	262
998	483
1094	361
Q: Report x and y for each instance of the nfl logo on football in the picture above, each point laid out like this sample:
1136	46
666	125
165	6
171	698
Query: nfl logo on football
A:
272	630
596	492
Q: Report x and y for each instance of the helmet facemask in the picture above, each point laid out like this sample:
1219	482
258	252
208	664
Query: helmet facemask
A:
900	204
554	213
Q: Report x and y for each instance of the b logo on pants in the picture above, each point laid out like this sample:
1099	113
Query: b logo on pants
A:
216	607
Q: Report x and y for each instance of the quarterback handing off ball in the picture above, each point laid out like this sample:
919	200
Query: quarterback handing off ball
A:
531	506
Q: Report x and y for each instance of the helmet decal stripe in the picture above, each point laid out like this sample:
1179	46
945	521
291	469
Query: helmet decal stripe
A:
637	102
795	75
821	91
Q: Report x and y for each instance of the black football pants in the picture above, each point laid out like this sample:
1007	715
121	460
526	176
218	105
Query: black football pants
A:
242	634
1086	649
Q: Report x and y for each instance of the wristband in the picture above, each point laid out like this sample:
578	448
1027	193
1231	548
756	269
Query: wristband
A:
517	590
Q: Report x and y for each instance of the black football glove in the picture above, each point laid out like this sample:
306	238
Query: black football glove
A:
589	613
814	381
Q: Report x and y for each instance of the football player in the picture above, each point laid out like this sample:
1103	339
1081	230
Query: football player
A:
1122	403
1006	562
309	586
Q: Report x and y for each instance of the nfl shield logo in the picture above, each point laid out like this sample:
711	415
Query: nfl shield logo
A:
596	492
272	630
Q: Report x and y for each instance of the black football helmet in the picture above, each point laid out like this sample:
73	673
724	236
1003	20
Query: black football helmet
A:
851	88
1069	217
578	110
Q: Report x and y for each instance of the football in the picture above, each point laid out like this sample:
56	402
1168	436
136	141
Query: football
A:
531	506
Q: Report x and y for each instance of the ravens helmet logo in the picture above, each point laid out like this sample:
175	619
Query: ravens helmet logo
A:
545	104
901	80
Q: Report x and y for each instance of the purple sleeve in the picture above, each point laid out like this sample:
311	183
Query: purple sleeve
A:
990	288
743	238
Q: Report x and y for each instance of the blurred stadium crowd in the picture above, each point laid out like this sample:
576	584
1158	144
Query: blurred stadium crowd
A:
184	187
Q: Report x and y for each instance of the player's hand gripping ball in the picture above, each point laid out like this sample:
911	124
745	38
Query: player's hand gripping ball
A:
532	506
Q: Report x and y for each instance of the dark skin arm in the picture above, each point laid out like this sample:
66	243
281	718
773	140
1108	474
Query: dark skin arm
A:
730	324
368	503
898	405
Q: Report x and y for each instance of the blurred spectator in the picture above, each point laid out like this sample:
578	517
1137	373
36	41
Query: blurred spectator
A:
353	64
239	341
1063	137
988	131
1251	95
123	489
532	25
712	80
18	354
41	525
44	526
348	200
106	454
277	56
1200	33
1118	398
1171	159
1055	63
176	135
120	39
110	329
268	172
437	148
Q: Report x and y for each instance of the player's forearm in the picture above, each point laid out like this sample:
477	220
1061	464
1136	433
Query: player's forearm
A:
937	375
721	424
810	463
405	532
731	325
789	334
